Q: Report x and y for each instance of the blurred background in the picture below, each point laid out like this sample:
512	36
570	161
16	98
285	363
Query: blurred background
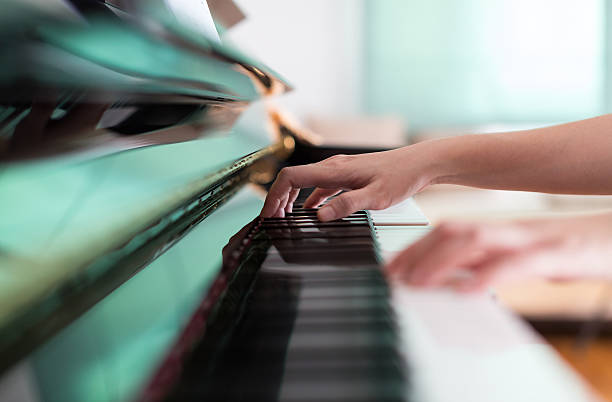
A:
437	65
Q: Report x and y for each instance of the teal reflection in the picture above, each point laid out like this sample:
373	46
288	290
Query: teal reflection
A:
111	351
62	214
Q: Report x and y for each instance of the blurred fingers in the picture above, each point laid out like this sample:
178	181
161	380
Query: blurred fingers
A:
435	266
450	248
504	268
405	260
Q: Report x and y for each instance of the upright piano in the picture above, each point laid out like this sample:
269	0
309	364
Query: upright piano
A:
133	265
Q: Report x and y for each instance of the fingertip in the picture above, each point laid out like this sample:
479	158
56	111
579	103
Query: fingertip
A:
326	214
310	204
270	206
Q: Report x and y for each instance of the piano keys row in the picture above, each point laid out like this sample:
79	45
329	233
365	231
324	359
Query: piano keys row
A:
320	323
316	325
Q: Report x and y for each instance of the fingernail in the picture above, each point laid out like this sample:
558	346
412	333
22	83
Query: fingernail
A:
326	214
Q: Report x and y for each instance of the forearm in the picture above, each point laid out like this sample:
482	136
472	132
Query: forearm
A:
570	158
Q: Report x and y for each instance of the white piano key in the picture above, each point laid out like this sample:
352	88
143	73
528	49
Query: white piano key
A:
464	347
469	348
406	212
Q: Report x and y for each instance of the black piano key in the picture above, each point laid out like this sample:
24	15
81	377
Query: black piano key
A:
308	217
303	235
309	224
389	361
321	292
333	276
284	234
336	258
343	391
274	263
327	243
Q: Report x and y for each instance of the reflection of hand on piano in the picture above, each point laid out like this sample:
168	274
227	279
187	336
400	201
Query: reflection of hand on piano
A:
374	181
495	252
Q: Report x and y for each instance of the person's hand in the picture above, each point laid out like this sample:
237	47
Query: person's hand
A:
470	257
371	181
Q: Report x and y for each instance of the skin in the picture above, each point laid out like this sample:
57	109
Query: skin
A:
573	158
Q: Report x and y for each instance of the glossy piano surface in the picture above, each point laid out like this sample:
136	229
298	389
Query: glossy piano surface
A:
60	210
86	199
110	353
96	80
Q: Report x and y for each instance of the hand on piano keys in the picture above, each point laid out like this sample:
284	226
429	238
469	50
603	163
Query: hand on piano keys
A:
484	254
457	347
463	256
375	180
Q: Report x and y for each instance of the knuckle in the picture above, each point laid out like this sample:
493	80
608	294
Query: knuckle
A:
284	175
336	160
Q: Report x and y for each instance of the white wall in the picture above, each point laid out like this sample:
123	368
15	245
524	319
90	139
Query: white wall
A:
472	62
316	45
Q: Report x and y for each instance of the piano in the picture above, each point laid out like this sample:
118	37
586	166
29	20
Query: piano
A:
135	155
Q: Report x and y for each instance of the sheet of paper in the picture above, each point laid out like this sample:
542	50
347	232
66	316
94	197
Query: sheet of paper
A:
195	14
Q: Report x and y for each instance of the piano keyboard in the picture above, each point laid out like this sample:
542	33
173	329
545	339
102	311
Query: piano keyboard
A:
310	317
317	324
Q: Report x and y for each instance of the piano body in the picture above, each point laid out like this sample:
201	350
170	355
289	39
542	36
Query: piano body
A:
138	272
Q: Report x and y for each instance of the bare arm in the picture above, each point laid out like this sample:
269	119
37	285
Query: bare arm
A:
573	158
569	158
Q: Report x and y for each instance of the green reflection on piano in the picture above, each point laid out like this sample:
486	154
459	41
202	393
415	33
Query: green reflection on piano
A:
108	353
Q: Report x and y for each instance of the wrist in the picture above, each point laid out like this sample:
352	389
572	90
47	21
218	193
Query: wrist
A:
434	160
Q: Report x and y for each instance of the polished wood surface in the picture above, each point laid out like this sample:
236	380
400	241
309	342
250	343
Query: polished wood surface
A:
593	362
